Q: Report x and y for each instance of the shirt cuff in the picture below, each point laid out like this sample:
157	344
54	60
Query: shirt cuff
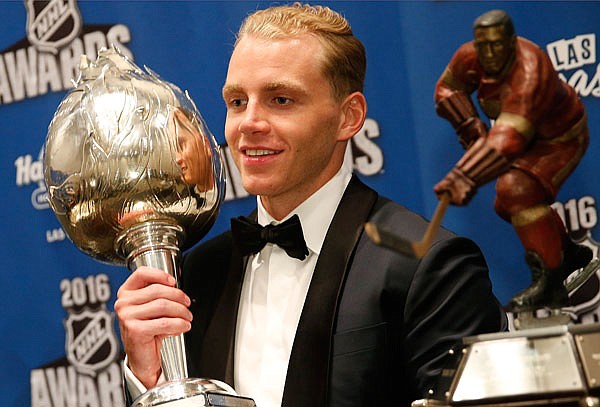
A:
134	386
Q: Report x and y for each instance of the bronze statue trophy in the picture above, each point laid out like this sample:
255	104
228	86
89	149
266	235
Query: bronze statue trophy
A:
134	176
537	138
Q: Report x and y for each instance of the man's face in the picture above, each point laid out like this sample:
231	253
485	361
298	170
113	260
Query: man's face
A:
494	48
282	124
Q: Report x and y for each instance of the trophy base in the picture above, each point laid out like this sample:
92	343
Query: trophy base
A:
192	393
540	318
551	366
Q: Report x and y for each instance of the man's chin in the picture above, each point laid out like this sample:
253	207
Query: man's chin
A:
257	187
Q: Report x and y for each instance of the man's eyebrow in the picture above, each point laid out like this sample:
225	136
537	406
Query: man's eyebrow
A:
277	85
231	89
271	86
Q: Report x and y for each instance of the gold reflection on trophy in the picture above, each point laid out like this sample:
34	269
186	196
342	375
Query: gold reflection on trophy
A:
193	153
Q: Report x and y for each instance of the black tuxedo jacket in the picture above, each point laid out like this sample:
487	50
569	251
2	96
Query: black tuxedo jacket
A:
376	326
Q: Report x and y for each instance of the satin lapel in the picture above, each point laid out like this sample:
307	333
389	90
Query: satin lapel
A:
217	351
308	370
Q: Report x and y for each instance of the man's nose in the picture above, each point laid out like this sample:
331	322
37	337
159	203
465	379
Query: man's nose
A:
254	119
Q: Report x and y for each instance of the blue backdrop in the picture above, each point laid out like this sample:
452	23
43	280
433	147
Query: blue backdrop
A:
60	342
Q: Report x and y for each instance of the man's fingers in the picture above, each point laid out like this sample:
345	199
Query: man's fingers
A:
145	276
156	328
151	293
156	309
160	317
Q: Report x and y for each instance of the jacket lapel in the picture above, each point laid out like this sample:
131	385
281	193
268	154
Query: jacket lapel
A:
307	378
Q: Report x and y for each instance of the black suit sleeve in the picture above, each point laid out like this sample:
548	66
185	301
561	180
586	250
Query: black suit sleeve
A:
450	297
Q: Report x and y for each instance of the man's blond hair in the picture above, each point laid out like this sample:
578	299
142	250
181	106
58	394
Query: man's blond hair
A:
344	62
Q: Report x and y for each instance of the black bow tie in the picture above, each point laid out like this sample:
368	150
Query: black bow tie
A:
250	237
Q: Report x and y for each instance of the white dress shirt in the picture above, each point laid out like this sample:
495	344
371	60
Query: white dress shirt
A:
273	293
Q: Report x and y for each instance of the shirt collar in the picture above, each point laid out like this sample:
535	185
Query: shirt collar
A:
316	212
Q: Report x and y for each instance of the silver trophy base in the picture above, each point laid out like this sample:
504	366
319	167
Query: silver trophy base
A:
552	366
192	393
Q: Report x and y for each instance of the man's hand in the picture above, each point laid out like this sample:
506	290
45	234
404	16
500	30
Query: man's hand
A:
149	308
458	185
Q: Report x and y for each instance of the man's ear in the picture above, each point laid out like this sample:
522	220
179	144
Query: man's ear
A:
354	113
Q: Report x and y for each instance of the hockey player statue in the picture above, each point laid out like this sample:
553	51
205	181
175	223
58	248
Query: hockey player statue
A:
538	136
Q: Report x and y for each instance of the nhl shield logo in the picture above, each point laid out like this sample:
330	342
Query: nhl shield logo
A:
91	344
51	24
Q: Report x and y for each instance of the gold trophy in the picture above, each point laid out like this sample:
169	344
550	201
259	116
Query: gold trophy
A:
134	176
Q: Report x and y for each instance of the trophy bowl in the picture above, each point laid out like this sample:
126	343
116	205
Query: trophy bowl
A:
125	148
134	176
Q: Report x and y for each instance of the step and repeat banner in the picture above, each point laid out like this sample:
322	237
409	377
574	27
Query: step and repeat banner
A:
59	337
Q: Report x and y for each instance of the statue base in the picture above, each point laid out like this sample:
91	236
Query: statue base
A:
549	366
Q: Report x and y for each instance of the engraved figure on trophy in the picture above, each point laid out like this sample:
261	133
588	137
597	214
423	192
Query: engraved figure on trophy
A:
134	176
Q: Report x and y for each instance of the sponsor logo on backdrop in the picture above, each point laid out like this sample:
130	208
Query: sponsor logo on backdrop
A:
90	373
30	171
52	24
47	59
575	60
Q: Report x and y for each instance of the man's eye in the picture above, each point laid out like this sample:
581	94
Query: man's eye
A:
235	103
282	100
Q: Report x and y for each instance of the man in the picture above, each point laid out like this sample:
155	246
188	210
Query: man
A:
342	322
538	137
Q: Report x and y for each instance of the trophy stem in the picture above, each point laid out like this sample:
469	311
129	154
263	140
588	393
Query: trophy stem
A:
155	244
